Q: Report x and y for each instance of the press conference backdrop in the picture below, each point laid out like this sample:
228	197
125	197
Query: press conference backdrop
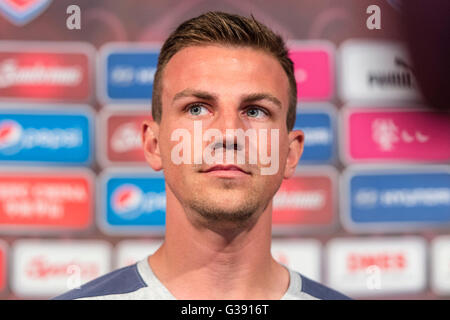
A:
367	213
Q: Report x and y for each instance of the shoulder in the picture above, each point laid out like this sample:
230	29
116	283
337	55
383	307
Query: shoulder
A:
320	291
120	281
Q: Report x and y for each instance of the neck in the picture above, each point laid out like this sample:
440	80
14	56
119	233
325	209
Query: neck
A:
198	262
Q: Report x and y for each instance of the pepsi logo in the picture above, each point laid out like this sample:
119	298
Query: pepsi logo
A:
20	12
126	199
10	133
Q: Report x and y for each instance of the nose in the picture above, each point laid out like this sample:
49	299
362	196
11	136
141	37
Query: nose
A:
228	118
227	121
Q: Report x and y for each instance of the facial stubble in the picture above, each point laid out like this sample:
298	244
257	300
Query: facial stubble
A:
223	208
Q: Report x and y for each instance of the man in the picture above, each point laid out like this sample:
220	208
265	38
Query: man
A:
218	72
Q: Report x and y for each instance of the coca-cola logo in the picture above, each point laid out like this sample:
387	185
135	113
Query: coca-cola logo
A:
40	267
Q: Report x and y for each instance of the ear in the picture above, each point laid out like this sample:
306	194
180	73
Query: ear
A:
296	143
150	142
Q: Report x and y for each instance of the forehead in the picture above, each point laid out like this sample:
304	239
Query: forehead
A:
225	70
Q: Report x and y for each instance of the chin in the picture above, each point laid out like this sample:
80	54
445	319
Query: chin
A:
226	209
228	205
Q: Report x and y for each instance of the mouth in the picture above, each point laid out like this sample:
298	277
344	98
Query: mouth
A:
226	171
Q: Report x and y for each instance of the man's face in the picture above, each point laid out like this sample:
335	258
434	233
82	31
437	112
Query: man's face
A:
223	88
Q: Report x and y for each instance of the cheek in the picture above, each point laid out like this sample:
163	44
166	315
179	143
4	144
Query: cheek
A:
166	145
277	147
284	150
267	185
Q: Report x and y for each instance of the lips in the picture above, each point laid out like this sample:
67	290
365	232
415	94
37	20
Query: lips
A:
225	168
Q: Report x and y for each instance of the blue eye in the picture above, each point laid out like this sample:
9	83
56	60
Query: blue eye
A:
255	113
197	110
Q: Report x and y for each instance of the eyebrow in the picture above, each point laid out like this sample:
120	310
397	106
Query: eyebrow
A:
246	98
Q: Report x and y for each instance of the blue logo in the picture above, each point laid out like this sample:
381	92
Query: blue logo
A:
129	74
45	137
20	12
320	139
397	199
133	201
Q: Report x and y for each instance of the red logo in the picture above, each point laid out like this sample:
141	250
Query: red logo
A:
39	267
384	261
304	200
40	201
121	134
43	73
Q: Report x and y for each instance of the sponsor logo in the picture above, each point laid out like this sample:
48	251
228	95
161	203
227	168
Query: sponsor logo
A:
21	12
375	70
49	268
385	261
402	78
133	202
407	197
10	134
127	72
45	71
126	138
300	255
313	200
40	267
320	139
396	135
45	136
314	69
12	74
120	136
125	76
307	199
128	201
126	198
440	265
51	201
396	200
364	267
